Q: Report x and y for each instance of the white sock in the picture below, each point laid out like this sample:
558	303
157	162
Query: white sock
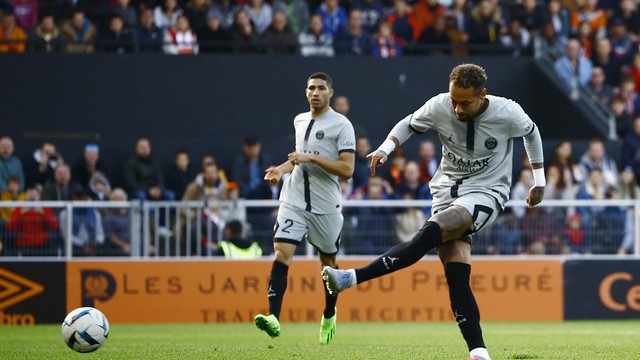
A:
354	280
479	353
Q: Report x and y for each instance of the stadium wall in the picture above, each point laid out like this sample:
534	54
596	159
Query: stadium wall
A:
208	104
220	291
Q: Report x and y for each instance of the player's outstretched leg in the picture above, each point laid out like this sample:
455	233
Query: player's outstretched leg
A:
328	327
396	258
268	324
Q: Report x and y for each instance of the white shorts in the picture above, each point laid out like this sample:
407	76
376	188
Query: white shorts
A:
323	231
484	208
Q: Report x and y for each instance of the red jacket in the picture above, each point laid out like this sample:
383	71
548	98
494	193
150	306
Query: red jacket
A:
32	227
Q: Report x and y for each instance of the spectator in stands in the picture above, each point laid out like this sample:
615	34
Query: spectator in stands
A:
43	164
373	223
211	160
197	12
573	69
12	193
118	39
79	33
384	44
46	36
86	232
236	245
485	27
279	38
629	190
373	12
427	160
26	12
409	221
434	40
143	175
210	183
630	95
517	39
249	168
127	12
34	228
596	157
61	189
10	164
404	25
426	12
547	42
634	69
86	165
315	41
297	12
600	87
13	38
149	36
530	14
117	227
604	57
334	16
352	39
506	236
260	13
560	17
213	37
586	38
245	38
520	188
594	188
361	169
234	207
589	12
627	10
180	174
395	174
180	39
575	235
624	122
410	183
631	148
225	10
166	15
99	187
570	172
621	41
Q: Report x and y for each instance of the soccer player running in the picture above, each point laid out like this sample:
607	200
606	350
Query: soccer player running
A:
310	201
469	189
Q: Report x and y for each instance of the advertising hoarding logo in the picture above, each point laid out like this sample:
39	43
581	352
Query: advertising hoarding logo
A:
15	288
96	285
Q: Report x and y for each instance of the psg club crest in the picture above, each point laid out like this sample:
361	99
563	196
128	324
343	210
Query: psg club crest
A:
319	134
491	143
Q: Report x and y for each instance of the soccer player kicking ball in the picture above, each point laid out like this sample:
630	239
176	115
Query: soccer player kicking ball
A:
310	201
469	189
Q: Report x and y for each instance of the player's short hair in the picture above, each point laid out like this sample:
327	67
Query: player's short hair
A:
468	75
323	76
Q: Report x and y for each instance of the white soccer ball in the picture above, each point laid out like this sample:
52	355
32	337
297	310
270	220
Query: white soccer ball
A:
85	329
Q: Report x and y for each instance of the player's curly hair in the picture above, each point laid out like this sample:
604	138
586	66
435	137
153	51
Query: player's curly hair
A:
468	75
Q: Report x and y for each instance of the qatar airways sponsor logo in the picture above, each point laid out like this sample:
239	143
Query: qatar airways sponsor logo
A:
468	165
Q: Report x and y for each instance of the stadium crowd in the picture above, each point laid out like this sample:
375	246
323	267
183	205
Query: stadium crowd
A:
595	43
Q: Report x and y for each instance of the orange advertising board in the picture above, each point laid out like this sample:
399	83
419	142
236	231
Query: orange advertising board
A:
235	291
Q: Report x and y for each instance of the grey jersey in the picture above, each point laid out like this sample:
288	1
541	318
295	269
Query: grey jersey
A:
483	164
310	187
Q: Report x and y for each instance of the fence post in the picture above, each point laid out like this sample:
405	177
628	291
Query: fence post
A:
68	238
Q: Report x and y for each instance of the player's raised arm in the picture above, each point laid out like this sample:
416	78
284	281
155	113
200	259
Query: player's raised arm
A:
397	136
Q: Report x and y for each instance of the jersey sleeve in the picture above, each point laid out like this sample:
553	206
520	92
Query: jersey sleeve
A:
521	123
347	138
423	119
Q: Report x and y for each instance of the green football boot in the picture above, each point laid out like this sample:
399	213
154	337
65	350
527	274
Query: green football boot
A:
328	328
268	324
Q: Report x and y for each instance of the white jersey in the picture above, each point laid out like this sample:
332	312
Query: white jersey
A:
478	159
310	187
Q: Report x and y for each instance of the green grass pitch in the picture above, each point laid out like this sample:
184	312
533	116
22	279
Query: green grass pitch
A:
615	340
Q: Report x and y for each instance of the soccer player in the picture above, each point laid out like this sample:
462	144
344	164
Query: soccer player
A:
310	201
470	188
